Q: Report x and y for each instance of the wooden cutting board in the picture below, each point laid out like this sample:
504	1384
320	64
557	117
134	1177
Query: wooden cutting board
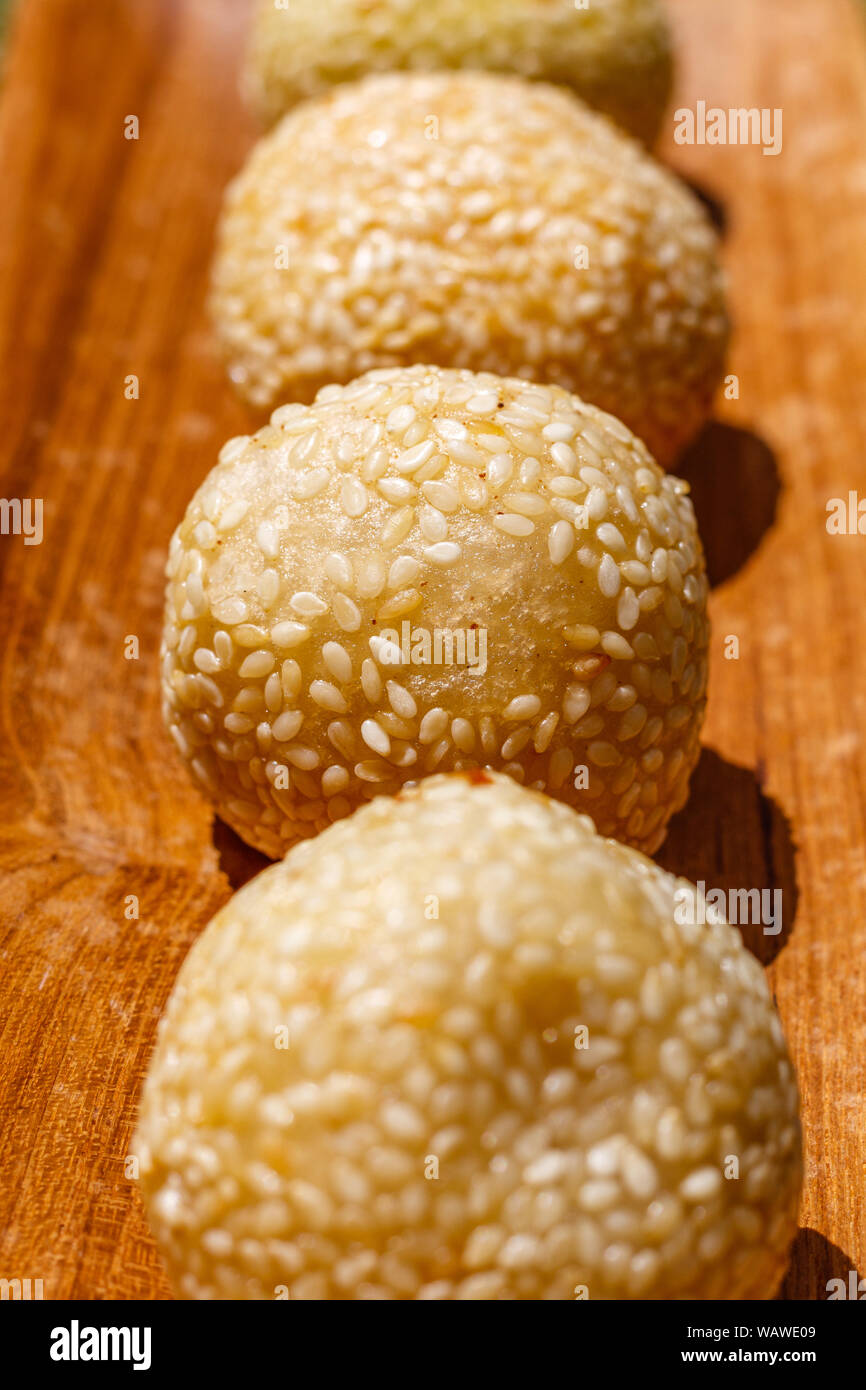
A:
104	249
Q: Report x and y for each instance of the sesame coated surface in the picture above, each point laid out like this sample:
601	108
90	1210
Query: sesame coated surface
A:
615	53
529	534
460	1047
470	220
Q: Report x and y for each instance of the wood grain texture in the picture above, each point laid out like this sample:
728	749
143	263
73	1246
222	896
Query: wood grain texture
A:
104	249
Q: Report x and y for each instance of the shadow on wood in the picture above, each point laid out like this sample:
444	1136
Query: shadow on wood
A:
815	1261
725	463
715	208
731	836
238	861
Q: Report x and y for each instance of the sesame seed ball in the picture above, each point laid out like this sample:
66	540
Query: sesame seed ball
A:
474	221
616	54
432	570
460	1047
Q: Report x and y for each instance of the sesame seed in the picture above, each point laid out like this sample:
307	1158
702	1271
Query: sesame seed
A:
304	758
401	701
346	612
338	661
577	516
436	754
616	646
515	743
544	733
603	754
274	693
582	635
308	605
433	725
289	634
463	735
374	465
327	696
268	587
229	610
410	460
627	610
372	575
560	542
558	431
561	764
372	770
310	485
375	737
338	570
596	500
567	487
441	496
267	540
627	503
564	457
233	448
487	730
633	572
433	525
204	535
483	404
611	537
522	707
500	470
396	490
304	446
399	420
575	704
341	736
701	1185
353	497
466	454
450	430
206	660
530	473
371	681
287	725
403	572
514	525
397	527
334	779
406	601
257	664
290	678
444	553
525	503
608	576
